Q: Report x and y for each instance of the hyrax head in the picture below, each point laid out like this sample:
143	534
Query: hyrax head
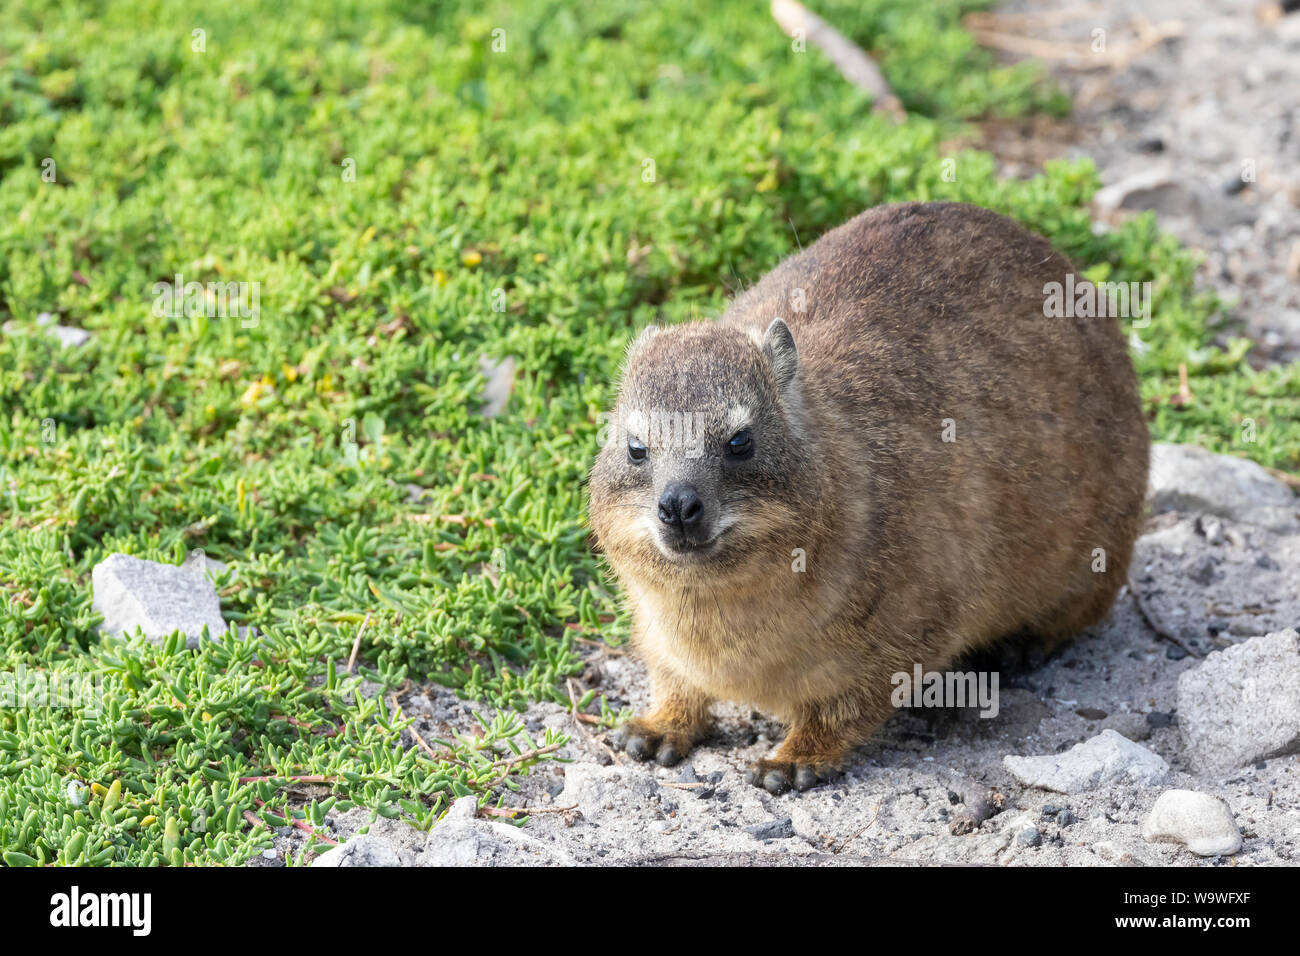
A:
704	459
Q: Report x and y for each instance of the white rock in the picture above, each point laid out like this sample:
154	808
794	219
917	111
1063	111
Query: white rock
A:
1201	822
464	810
1188	478
1242	704
593	787
1104	759
157	598
460	839
362	850
68	335
806	826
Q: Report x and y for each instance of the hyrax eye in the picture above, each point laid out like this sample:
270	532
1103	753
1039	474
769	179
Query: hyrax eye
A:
636	452
741	445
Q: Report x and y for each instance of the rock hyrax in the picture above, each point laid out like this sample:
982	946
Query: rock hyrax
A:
883	454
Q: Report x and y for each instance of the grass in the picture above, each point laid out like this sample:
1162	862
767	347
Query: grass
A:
617	163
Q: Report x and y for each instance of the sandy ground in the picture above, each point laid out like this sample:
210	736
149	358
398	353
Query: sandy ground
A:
1191	108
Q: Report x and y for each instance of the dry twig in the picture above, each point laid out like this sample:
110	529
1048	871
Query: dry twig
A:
1155	625
356	645
849	58
587	734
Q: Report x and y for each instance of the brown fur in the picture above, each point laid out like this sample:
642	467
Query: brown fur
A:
916	549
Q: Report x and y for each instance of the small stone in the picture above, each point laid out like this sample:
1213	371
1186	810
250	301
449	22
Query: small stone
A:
1105	849
1201	570
364	850
772	829
70	336
1210	528
1091	713
1201	822
1158	719
977	810
462	810
1029	837
1107	758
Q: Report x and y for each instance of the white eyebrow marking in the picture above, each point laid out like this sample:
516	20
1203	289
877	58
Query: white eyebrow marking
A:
738	417
636	424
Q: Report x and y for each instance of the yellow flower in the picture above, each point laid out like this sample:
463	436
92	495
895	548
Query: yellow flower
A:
471	258
253	393
439	277
539	257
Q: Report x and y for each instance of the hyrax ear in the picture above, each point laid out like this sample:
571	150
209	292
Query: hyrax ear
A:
779	350
649	332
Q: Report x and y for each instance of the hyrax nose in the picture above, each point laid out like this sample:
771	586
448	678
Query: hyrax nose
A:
680	506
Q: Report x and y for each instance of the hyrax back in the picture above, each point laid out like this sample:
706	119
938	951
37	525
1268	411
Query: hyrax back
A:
915	462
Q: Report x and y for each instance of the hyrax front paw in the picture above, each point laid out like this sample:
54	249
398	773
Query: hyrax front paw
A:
779	776
645	741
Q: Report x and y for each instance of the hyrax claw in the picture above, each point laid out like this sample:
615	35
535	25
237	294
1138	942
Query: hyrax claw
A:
667	749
